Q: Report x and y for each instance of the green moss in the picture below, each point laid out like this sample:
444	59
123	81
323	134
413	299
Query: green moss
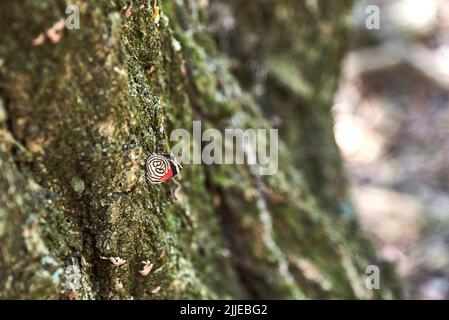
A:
88	111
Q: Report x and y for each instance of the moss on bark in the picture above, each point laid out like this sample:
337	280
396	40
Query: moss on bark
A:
83	114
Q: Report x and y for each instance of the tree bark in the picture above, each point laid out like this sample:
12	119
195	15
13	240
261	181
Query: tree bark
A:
80	115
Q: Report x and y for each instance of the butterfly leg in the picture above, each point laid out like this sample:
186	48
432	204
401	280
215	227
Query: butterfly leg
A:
174	190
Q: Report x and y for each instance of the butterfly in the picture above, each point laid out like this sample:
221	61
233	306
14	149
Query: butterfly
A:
161	167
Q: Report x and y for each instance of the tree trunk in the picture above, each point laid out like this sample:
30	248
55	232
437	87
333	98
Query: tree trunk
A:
80	115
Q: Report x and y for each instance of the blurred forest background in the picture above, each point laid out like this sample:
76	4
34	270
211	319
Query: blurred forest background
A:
392	127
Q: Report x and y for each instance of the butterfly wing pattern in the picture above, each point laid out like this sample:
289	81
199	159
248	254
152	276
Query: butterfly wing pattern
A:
161	168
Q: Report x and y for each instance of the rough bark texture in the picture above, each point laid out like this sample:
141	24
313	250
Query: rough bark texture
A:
78	119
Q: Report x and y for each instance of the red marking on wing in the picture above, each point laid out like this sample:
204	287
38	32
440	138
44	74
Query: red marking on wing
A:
166	176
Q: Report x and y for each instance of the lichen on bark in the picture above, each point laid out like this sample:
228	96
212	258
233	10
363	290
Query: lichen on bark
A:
83	114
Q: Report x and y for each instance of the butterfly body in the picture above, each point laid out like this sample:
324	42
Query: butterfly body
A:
160	168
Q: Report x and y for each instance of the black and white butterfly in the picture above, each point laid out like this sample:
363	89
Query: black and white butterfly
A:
161	167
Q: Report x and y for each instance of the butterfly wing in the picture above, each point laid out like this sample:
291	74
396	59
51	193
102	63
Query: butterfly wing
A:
161	168
167	176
